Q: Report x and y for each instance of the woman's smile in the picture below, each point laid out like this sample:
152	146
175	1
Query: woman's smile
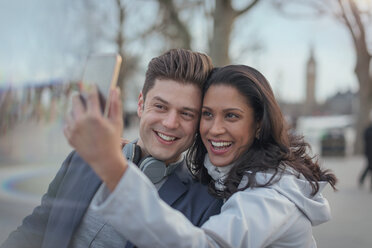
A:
220	147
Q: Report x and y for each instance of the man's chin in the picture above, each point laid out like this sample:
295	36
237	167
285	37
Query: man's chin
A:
166	157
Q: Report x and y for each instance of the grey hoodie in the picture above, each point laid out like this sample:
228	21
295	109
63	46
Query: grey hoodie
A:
280	215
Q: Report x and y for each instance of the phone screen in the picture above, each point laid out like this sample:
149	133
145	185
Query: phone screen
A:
102	70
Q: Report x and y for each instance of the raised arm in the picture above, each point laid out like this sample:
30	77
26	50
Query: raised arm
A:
98	139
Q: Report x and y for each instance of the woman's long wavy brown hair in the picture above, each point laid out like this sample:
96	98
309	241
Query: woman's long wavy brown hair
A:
274	147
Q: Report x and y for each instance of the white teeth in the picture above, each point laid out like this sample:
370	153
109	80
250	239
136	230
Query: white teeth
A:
165	137
221	144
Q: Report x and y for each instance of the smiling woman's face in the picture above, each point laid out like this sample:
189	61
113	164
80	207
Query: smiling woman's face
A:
227	125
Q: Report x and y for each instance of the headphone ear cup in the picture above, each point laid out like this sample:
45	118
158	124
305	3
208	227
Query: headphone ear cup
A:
154	169
137	154
132	152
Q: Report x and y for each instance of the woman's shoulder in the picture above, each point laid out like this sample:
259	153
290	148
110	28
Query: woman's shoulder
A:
288	192
260	199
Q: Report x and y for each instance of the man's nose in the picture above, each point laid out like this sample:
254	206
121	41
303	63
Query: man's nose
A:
171	121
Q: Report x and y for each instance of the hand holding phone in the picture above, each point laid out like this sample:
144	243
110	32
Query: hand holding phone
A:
101	70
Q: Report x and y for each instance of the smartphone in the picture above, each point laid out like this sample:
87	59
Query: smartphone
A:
101	70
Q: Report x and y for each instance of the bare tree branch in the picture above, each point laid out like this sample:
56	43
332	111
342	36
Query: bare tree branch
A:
358	21
317	8
246	9
173	26
347	22
191	4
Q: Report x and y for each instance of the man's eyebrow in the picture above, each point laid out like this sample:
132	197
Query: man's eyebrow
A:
158	98
194	110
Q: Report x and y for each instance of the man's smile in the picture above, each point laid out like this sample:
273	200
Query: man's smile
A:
165	137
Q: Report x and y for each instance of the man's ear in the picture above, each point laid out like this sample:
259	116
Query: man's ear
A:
140	105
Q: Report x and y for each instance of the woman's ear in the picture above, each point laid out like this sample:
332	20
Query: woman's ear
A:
257	134
258	130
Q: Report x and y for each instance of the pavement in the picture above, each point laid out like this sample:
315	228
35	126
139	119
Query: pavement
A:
30	155
351	206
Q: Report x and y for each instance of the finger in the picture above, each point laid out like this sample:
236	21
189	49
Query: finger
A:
78	108
67	128
70	129
123	142
69	121
116	106
93	101
69	103
67	133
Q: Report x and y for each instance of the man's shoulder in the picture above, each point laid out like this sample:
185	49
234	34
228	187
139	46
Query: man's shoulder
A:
73	161
75	168
195	196
75	179
184	174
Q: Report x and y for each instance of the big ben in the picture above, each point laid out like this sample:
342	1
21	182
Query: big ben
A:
310	102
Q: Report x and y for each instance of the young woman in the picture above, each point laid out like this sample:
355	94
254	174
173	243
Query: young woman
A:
245	153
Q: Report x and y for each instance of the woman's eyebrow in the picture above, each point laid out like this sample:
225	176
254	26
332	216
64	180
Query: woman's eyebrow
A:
233	109
225	110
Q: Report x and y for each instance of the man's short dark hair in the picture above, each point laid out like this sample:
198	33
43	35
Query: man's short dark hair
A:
181	65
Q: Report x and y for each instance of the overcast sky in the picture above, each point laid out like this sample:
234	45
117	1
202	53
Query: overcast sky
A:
35	36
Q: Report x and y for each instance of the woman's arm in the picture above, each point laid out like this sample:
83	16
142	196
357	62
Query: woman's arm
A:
247	219
135	210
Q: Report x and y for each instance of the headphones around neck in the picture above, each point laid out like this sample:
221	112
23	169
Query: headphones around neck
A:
153	168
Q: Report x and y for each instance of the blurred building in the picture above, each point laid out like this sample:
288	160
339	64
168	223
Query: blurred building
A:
327	126
342	103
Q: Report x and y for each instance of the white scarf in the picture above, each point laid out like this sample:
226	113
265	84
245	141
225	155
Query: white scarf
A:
218	173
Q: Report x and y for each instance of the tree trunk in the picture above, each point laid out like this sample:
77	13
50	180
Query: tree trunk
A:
353	21
223	19
120	45
365	98
129	62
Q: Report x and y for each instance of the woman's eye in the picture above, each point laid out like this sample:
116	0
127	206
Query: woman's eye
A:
231	115
206	114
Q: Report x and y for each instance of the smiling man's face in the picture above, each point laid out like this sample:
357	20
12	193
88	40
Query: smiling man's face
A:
168	119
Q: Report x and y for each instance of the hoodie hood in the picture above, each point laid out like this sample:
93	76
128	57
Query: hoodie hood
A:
298	190
290	184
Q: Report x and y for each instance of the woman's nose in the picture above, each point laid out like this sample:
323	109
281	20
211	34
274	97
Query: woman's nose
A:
217	127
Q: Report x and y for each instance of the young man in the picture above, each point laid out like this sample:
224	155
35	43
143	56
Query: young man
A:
168	107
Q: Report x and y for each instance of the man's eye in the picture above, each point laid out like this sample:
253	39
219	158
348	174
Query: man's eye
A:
159	106
188	115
